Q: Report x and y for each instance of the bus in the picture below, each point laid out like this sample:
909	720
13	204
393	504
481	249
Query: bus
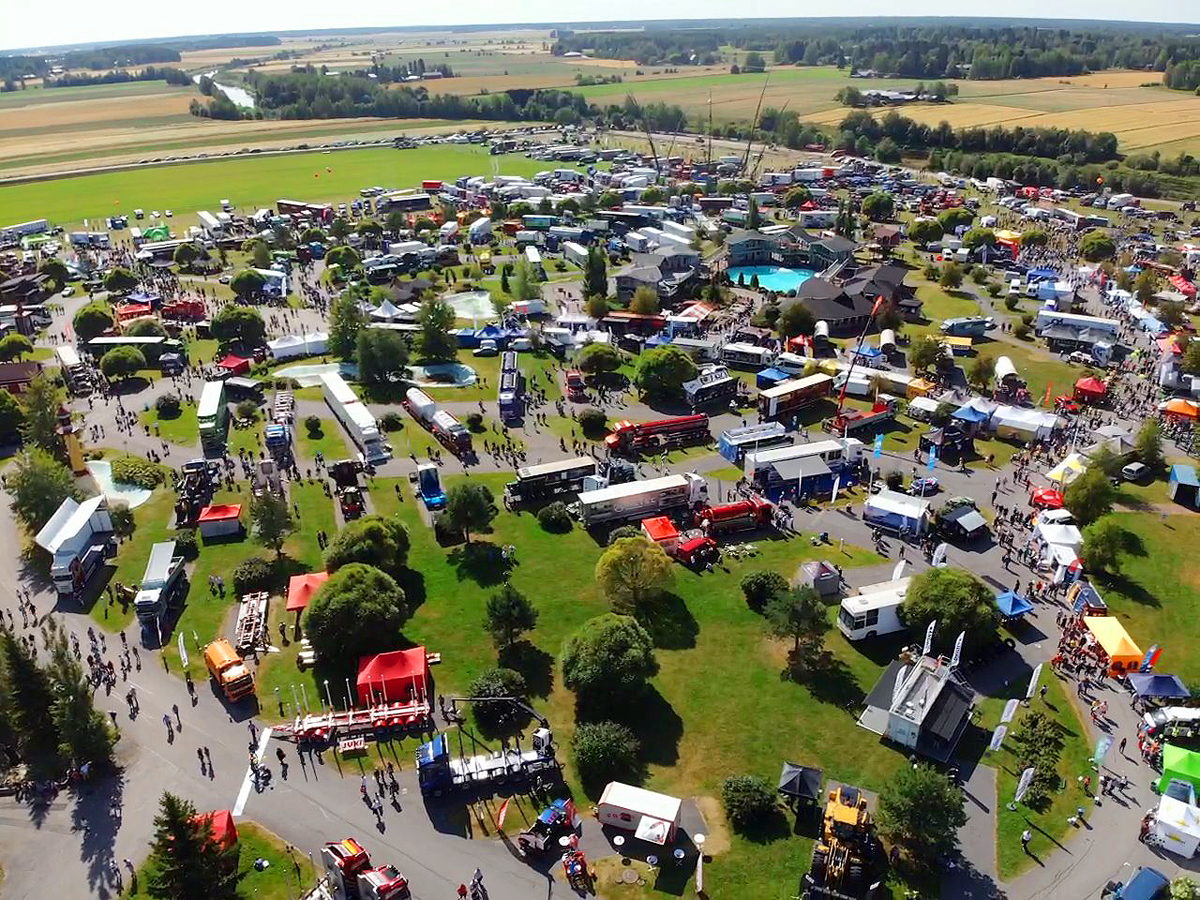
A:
212	417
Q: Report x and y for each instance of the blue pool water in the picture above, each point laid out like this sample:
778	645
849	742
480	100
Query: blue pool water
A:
772	278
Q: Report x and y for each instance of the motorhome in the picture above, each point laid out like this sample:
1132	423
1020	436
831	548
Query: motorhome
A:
873	611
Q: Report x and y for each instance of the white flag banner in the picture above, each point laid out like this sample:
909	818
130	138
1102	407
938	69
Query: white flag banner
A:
183	657
957	655
939	555
929	638
1010	710
899	570
997	738
1023	784
837	483
1033	681
898	687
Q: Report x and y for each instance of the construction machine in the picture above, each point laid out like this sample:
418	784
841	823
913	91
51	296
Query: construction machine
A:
557	820
845	855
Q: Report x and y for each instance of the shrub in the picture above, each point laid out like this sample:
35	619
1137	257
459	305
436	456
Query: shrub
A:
185	543
624	531
993	289
499	682
313	424
1027	319
168	406
122	518
1012	302
894	480
247	409
1021	330
979	275
139	472
748	800
475	421
253	574
759	587
593	422
606	751
554	517
391	421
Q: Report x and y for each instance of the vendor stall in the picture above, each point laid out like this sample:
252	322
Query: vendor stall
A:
1177	826
1123	654
1012	605
650	816
1067	470
1183	486
398	676
801	784
1046	498
1090	390
1179	764
302	588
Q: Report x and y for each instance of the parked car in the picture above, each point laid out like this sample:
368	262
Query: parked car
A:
922	487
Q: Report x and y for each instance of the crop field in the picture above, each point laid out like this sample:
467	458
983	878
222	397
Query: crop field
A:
250	182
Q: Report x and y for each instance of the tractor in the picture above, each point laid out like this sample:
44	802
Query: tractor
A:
847	851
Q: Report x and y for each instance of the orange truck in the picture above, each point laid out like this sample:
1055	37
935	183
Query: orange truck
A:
229	670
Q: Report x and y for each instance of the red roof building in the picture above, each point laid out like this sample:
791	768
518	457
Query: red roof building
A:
397	676
216	521
302	588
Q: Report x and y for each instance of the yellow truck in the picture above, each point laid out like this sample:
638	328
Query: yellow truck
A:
229	670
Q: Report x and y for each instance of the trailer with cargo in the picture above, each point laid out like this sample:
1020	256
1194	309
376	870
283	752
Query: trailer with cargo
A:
713	385
451	433
659	435
849	422
356	418
787	399
440	772
638	499
740	515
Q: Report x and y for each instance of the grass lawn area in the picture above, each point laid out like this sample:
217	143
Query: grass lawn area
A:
1048	824
705	627
180	430
245	438
1155	593
328	441
283	879
152	524
939	304
487	368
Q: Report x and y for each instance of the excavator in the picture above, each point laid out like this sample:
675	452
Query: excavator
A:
847	851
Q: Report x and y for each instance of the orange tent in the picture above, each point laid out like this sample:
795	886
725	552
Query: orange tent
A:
1183	409
1124	655
301	589
220	826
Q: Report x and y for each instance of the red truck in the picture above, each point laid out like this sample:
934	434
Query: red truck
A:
741	515
660	435
848	422
576	387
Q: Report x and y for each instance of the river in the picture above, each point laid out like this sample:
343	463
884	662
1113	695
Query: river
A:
238	96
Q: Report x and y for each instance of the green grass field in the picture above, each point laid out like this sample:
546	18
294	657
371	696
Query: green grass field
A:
285	877
328	440
250	182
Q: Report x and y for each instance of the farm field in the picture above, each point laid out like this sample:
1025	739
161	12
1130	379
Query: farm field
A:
251	182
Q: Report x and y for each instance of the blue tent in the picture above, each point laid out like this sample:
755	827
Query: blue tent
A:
970	414
768	378
1162	687
1012	605
1038	274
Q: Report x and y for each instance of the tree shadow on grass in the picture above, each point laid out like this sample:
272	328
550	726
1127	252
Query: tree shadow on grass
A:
412	583
827	678
282	569
657	726
481	561
670	623
535	665
770	828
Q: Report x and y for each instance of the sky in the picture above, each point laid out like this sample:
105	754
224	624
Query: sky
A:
74	21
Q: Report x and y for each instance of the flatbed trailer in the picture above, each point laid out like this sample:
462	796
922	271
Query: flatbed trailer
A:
439	772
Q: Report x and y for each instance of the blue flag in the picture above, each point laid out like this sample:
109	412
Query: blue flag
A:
932	458
878	445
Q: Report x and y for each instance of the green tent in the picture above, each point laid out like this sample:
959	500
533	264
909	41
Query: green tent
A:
1179	765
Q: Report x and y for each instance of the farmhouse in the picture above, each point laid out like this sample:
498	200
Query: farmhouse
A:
671	271
15	376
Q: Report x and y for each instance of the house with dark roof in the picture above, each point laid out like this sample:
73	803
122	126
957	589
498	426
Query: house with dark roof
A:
672	272
795	247
845	304
31	288
15	376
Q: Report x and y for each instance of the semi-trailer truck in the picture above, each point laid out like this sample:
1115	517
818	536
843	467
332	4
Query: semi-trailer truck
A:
639	499
659	435
228	670
356	418
452	434
162	583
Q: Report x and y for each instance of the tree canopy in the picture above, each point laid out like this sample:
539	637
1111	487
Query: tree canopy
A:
608	661
382	356
959	602
1096	246
1089	496
358	611
645	301
122	362
509	614
632	572
796	319
606	751
92	320
239	323
436	318
925	231
598	358
470	506
119	280
247	284
346	319
272	518
921	809
1103	543
187	862
878	206
378	541
663	371
38	484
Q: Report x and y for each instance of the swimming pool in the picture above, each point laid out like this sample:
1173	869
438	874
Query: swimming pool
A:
442	375
310	375
772	278
101	471
472	304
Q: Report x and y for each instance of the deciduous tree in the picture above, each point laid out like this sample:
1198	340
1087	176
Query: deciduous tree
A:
959	602
357	612
272	520
1089	496
92	320
921	809
608	661
470	506
663	371
120	363
436	340
239	323
509	614
632	572
377	541
38	484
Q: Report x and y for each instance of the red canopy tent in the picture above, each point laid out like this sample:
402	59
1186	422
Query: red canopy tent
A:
128	311
1047	498
220	826
1090	390
302	588
234	365
395	676
1182	285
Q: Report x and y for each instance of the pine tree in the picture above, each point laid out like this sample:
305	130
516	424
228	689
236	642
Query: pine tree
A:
84	732
29	697
187	864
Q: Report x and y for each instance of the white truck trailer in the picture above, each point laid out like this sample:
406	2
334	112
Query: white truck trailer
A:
355	418
639	499
160	585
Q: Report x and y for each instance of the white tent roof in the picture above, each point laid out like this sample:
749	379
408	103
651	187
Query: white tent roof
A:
1004	368
901	504
1055	533
640	800
68	520
387	310
1178	826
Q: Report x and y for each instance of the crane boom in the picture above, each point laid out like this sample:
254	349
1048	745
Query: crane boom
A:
753	173
515	701
754	123
641	114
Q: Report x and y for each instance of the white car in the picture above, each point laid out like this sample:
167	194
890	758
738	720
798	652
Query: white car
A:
68	291
154	214
167	213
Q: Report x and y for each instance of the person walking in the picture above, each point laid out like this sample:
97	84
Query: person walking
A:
1026	837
